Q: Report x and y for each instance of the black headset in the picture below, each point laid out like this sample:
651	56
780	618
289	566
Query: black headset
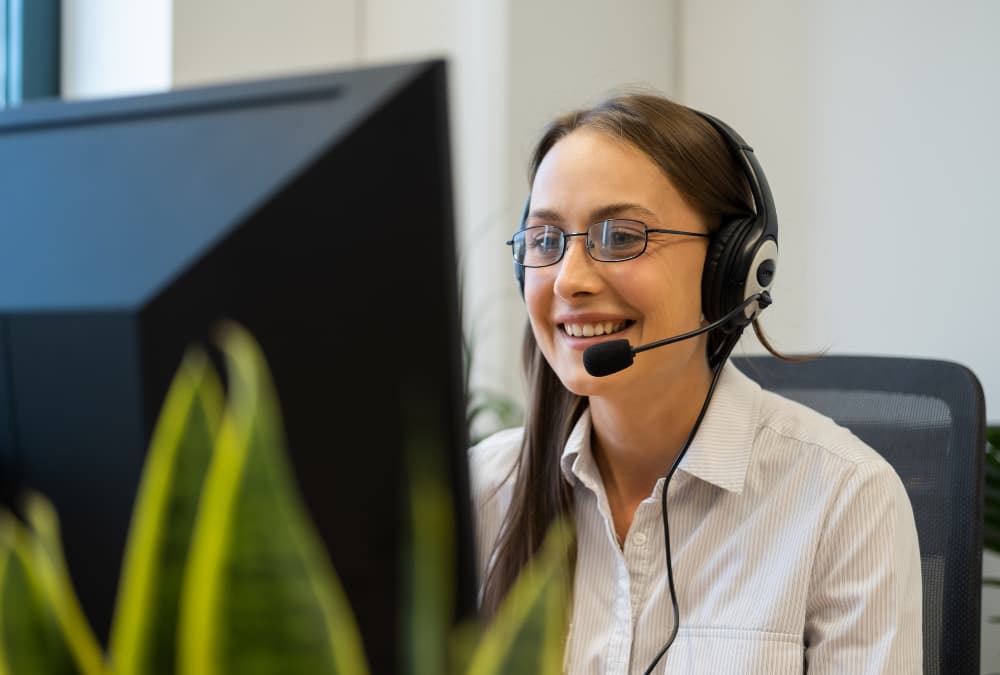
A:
742	255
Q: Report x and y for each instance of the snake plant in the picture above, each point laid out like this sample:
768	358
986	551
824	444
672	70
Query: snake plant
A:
224	572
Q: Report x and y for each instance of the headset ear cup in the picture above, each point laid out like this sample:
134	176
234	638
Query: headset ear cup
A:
715	300
735	263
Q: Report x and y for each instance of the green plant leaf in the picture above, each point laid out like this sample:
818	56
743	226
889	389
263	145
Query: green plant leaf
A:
144	628
30	639
428	569
529	631
991	491
259	594
42	628
463	641
50	563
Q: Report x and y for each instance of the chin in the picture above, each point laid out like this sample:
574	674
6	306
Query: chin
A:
582	383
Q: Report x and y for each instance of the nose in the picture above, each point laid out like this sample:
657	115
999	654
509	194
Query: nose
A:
577	271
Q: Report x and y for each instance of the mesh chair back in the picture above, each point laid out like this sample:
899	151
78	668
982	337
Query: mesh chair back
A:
927	418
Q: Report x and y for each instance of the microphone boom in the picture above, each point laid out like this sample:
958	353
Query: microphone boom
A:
607	358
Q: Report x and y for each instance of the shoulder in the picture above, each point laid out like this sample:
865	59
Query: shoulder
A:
787	427
864	574
492	462
857	496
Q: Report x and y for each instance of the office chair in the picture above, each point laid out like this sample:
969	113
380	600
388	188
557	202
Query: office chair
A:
927	418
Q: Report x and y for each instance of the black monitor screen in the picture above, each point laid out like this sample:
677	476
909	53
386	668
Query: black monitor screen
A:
315	210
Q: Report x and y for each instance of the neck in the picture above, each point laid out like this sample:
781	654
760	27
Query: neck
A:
638	436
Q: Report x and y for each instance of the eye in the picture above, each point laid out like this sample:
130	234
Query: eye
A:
544	239
621	236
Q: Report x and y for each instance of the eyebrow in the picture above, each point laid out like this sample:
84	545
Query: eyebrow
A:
597	215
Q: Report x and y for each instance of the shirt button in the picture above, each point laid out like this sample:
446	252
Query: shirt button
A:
639	539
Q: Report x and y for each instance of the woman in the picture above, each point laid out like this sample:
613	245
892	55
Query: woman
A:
790	545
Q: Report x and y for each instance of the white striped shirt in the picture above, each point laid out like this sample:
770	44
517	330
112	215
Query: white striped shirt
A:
794	549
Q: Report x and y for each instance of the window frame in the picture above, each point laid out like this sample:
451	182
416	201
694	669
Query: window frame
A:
4	6
30	50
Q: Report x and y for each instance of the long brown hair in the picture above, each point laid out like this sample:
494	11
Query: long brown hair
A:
700	165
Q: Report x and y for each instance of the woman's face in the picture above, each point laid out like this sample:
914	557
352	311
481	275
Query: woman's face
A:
588	177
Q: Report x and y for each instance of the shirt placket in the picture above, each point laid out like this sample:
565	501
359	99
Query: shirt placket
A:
637	559
641	560
620	645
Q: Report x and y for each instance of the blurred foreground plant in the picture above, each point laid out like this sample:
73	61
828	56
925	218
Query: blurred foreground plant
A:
224	573
991	498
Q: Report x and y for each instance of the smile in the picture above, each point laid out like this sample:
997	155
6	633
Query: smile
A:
594	329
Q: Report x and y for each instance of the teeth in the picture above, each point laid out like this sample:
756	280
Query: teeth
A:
593	329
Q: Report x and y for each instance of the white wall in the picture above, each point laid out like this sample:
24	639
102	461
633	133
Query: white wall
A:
226	40
115	47
875	124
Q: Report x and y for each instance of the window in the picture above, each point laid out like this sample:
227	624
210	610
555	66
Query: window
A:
3	54
29	50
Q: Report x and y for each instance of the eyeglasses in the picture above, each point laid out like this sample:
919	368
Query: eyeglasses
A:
614	240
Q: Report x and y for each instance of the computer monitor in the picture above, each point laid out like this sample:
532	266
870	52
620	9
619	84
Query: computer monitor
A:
315	210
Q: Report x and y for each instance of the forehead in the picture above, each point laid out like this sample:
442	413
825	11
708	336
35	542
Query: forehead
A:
590	165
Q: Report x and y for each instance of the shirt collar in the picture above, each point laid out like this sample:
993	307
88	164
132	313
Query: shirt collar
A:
577	460
720	452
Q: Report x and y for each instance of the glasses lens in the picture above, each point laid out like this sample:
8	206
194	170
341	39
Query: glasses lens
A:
538	246
614	240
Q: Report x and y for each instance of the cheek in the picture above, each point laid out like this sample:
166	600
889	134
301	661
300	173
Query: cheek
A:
538	302
537	294
670	300
684	273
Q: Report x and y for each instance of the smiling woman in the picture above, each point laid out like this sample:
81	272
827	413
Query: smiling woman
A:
651	225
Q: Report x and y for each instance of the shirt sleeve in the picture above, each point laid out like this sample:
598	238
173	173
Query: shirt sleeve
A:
864	607
491	465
